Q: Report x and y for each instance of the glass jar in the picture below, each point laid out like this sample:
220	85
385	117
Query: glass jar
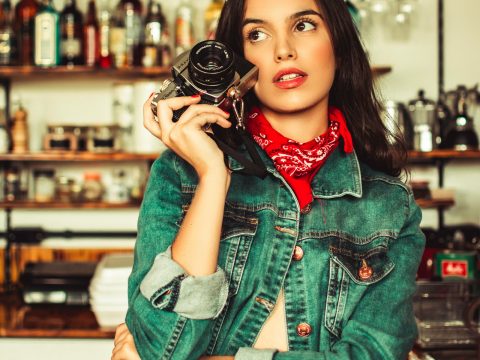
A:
44	185
12	184
118	192
92	187
63	188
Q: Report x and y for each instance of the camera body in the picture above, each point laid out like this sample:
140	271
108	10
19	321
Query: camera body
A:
211	70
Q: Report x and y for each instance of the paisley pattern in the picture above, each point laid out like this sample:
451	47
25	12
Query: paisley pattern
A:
299	162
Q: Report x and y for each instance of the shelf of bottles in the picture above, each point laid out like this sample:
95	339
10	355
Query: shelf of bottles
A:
78	156
444	154
30	204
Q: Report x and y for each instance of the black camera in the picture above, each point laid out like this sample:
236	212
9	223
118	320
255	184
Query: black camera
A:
211	70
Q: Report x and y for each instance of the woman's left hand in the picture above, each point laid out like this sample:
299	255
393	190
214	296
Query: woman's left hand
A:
124	346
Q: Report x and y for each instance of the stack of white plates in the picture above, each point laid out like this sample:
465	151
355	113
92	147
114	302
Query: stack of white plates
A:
108	289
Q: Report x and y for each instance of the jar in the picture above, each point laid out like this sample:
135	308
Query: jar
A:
117	192
44	185
59	137
103	138
92	187
12	185
63	188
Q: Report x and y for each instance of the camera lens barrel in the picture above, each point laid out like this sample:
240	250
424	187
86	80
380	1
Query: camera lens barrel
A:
211	65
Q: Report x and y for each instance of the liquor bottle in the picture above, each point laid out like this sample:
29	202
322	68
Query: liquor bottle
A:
212	14
105	61
91	39
153	29
117	39
7	40
47	36
184	35
71	25
25	12
131	11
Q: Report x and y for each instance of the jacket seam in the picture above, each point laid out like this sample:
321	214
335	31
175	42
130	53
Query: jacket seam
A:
177	331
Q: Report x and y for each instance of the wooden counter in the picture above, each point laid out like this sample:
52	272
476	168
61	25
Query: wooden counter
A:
48	321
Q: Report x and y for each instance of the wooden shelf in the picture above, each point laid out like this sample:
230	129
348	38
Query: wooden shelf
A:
378	70
444	154
27	204
78	156
434	203
29	72
48	321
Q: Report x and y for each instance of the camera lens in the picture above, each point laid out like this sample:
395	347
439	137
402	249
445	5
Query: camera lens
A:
211	65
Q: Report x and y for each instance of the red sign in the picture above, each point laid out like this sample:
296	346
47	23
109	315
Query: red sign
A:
457	268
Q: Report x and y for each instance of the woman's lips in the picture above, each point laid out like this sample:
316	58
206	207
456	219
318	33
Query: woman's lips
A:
289	78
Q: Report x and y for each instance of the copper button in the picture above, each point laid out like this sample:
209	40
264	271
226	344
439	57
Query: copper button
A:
304	329
297	253
365	271
306	209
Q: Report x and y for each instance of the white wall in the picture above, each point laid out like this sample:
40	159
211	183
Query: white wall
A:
414	63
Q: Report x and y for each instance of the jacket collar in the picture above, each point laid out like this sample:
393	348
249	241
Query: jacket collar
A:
339	176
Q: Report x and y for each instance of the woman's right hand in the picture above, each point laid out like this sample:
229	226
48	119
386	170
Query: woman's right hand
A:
187	136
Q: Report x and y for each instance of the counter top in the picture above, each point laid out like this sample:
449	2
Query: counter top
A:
48	321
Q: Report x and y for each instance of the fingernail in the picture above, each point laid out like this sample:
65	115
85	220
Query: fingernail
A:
226	112
149	96
196	96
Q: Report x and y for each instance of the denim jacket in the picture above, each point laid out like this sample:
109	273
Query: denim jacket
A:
347	266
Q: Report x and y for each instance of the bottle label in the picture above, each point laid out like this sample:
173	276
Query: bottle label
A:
5	48
90	47
153	33
71	47
45	40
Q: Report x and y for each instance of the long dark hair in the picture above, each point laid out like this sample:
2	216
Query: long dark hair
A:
353	90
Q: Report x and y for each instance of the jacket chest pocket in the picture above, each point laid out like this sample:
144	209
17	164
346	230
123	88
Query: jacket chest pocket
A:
353	269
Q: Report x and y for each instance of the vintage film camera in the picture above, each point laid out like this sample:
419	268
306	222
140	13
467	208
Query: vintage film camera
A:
212	70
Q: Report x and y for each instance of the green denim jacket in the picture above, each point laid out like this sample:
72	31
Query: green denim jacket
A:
352	288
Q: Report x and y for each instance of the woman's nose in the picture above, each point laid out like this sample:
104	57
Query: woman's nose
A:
285	51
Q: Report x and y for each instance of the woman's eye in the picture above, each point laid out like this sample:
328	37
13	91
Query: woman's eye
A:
256	35
305	26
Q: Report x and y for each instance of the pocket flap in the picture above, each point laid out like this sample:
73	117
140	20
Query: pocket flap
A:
365	267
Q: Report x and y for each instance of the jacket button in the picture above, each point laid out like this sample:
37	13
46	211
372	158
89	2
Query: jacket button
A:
304	329
297	253
306	209
365	271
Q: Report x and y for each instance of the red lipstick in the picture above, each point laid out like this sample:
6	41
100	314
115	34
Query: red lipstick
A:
289	78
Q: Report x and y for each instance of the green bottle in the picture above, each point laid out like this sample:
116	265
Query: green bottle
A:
47	36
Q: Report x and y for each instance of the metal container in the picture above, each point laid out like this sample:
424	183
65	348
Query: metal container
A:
425	129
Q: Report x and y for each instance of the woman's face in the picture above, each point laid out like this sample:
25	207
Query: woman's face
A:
290	44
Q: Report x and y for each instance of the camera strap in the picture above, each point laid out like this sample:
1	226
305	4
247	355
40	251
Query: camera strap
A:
255	166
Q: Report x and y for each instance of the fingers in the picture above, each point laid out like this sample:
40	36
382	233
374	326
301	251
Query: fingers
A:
149	121
165	109
119	331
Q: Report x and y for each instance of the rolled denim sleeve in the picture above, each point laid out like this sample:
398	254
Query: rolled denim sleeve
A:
167	286
383	324
255	354
159	333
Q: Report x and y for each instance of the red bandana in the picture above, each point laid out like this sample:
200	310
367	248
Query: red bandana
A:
298	163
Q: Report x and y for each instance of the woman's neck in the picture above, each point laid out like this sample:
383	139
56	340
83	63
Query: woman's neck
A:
301	126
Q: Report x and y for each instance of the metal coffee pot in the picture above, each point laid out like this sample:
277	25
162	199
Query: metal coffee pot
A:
398	121
460	134
425	127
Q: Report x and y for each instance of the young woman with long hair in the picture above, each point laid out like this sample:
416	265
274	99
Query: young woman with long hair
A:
315	261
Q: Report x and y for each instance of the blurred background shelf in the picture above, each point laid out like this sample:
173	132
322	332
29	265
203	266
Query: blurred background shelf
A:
27	204
444	154
78	156
434	204
27	72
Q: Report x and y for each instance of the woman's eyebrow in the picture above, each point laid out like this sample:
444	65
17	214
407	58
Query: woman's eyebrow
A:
291	17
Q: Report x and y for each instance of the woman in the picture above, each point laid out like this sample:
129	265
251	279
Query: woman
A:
317	260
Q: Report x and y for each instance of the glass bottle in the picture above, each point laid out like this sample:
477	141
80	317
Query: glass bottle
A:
91	48
25	12
184	35
153	29
71	25
118	192
92	189
105	60
117	39
7	38
212	14
47	35
131	11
